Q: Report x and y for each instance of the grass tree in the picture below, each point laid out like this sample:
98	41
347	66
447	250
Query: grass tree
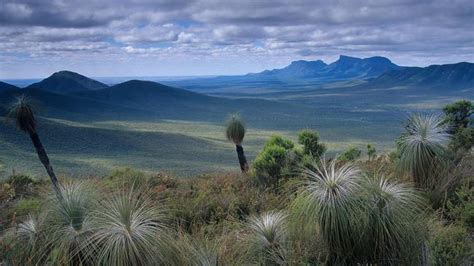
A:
235	132
69	224
130	230
423	147
329	197
268	236
22	112
395	228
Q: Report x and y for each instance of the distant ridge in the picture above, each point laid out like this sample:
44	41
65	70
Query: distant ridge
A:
5	86
450	76
65	82
344	68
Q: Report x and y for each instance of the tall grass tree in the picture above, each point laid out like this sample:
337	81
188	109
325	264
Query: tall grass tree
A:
423	147
395	228
22	112
329	198
235	132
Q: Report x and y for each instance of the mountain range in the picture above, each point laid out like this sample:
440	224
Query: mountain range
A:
346	71
66	93
344	68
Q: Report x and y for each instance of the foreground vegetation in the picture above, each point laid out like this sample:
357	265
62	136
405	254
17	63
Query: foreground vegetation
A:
294	206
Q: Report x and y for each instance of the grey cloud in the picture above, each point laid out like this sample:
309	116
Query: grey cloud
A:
273	30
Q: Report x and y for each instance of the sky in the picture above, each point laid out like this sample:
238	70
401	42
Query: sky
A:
102	38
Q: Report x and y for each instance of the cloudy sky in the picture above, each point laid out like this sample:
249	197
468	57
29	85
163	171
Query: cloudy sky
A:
207	37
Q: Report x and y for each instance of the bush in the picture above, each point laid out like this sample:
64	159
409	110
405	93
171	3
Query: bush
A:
275	160
461	205
26	206
127	177
212	199
23	184
310	141
449	245
350	155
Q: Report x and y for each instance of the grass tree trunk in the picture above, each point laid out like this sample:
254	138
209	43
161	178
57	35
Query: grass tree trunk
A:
244	167
43	156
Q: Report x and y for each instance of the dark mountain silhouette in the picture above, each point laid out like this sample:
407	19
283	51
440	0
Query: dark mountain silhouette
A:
5	86
65	82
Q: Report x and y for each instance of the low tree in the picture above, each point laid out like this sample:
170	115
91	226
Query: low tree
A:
22	112
235	132
458	114
458	117
310	141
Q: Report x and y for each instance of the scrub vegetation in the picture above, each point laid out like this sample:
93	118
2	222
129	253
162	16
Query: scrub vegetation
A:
296	203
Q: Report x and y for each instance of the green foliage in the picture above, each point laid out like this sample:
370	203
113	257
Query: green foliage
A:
267	238
458	117
462	140
350	155
130	230
22	184
461	205
449	245
235	130
458	114
329	198
395	228
69	223
275	160
127	177
213	199
371	151
280	142
310	141
25	206
423	147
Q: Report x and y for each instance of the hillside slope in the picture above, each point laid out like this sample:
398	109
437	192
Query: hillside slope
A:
5	86
450	76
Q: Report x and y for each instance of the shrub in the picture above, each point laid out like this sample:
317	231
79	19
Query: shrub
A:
461	205
26	206
371	151
213	199
127	177
23	184
449	245
350	155
310	141
275	160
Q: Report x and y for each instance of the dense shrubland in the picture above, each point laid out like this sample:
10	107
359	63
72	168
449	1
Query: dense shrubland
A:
293	206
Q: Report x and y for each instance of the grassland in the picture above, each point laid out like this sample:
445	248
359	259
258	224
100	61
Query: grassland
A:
81	142
173	146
